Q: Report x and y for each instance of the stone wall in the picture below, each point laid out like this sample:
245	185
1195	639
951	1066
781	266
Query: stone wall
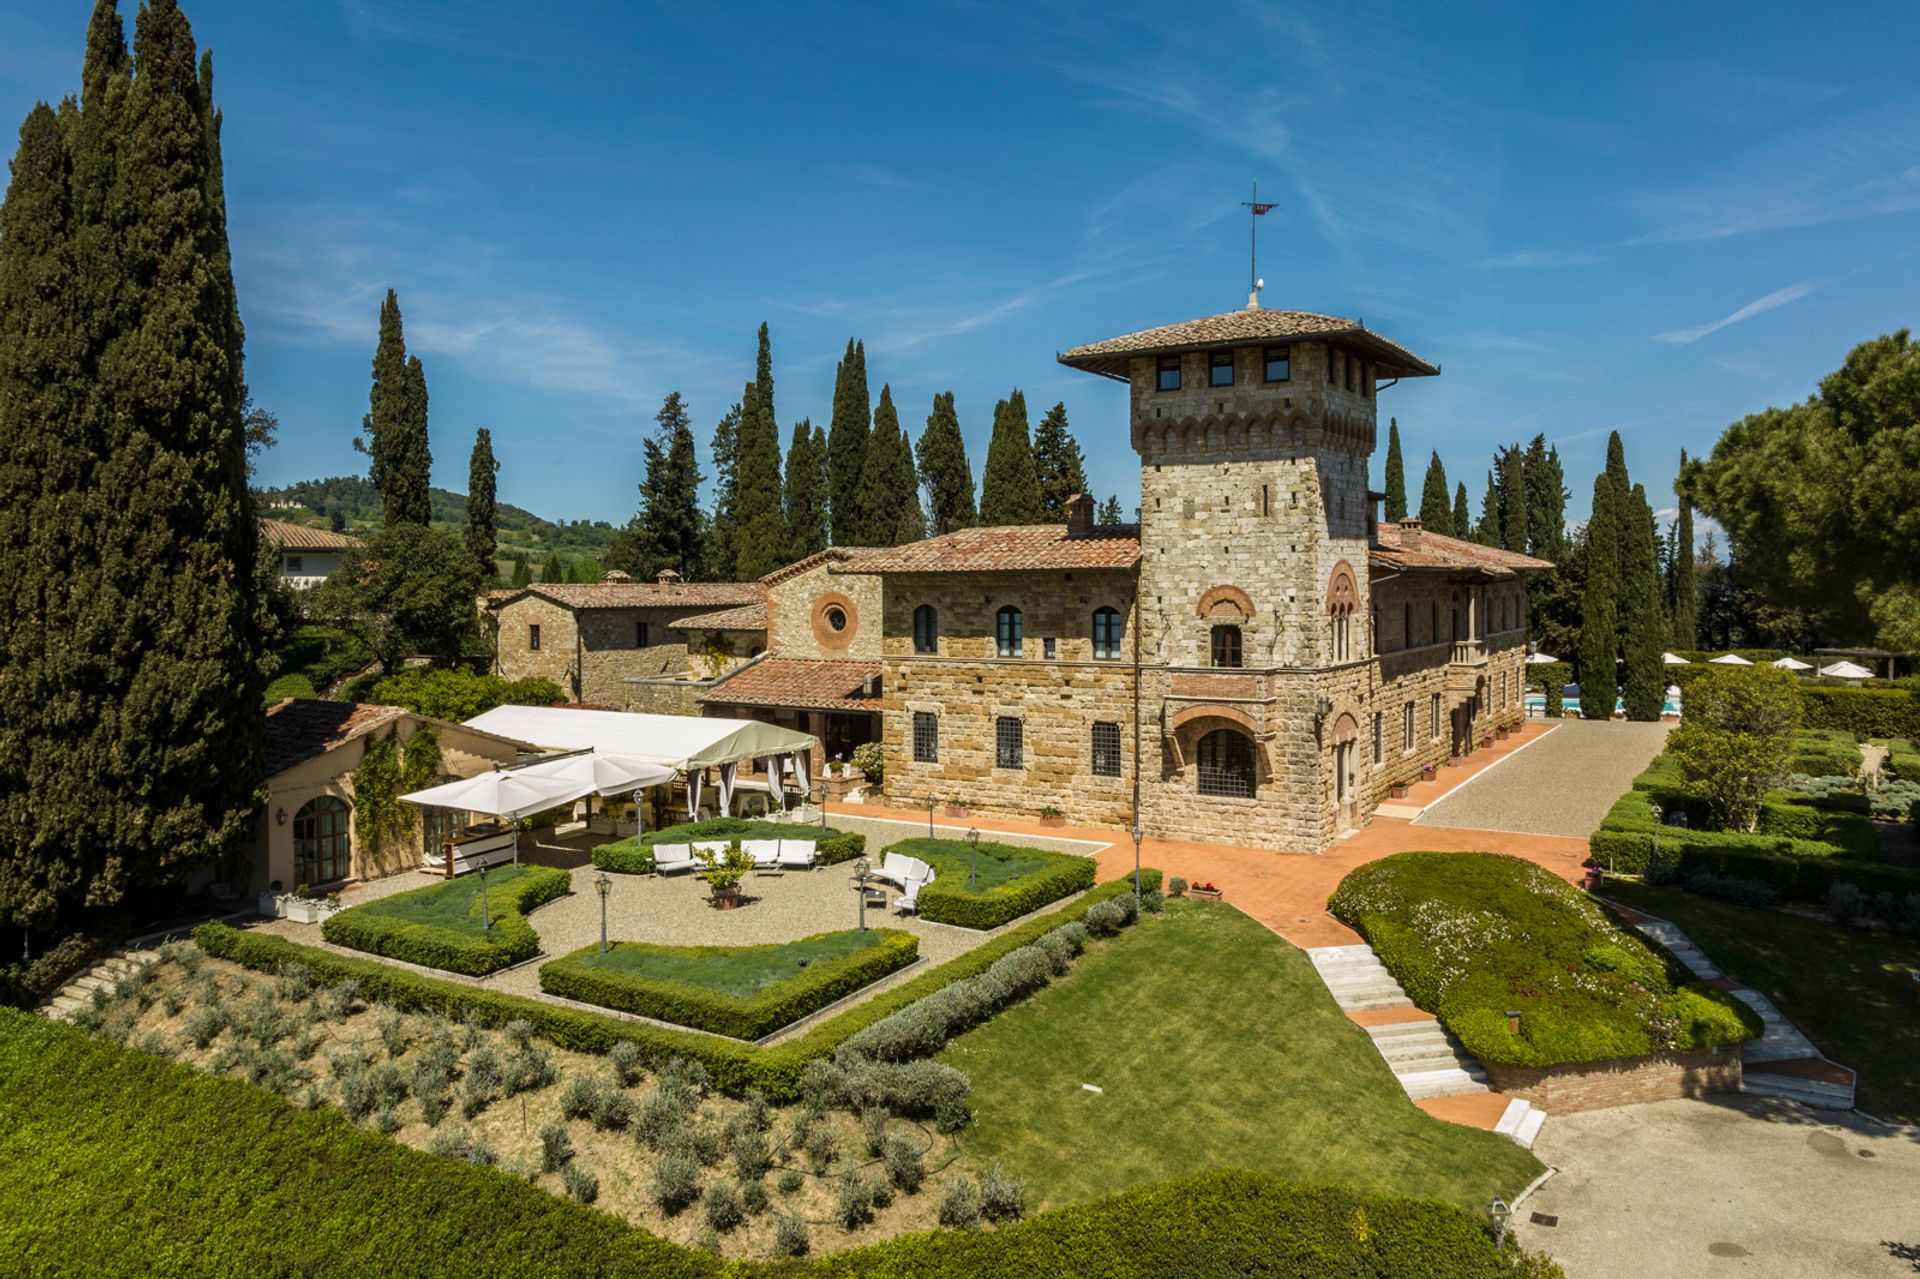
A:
590	652
797	624
1620	1081
663	695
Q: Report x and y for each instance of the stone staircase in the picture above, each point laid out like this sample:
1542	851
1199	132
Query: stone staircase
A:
78	993
1428	1062
1782	1062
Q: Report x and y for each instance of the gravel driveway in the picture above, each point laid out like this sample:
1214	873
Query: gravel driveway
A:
1561	784
1745	1186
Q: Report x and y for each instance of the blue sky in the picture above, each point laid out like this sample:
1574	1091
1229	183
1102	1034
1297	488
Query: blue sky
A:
1643	218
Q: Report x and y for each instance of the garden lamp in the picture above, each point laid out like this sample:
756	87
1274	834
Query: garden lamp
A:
929	814
1138	835
486	920
973	858
1656	836
860	871
1497	1214
603	886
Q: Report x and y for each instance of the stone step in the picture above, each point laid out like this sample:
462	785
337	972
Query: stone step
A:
1529	1130
1405	1030
1369	1003
1452	1082
1810	1092
1510	1118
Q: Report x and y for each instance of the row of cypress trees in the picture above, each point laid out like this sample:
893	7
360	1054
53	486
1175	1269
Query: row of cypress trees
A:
1622	623
135	616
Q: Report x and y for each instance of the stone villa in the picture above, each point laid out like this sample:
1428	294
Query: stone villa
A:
1258	661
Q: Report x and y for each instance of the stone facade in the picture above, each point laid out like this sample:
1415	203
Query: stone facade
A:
1621	1081
801	612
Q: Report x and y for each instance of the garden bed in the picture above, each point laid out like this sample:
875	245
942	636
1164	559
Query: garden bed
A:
1474	937
443	926
634	855
1012	880
745	992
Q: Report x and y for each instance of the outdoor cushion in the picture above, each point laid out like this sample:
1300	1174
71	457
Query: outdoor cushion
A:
893	868
667	857
797	852
716	848
765	852
909	901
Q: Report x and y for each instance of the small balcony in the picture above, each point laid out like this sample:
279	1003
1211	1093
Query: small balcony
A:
1467	666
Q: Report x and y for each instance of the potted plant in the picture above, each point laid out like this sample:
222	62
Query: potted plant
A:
955	808
1397	790
1206	890
723	872
302	907
271	901
1428	772
1051	816
1501	731
1486	738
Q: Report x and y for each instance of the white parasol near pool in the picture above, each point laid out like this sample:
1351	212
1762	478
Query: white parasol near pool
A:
1846	670
1540	659
1729	659
1674	659
1793	664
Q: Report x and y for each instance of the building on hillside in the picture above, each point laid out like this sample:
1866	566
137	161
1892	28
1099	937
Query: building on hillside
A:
308	556
1256	662
305	833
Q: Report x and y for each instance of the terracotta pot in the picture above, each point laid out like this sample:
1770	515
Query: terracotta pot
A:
954	810
1056	820
1398	790
725	898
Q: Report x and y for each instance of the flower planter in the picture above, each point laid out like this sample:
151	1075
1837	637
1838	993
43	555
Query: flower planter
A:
1398	790
271	905
1502	732
725	898
305	910
1486	739
1428	772
954	810
1206	894
1057	819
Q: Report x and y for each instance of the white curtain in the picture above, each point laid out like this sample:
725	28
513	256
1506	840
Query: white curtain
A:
800	774
727	771
693	792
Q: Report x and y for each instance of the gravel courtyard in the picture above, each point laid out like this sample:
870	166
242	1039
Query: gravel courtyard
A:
1561	784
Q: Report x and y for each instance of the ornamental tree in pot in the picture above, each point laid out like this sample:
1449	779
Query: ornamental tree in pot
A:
723	872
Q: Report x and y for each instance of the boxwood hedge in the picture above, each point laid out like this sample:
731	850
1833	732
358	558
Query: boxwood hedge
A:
634	855
589	977
425	925
734	1067
1474	935
947	901
82	1119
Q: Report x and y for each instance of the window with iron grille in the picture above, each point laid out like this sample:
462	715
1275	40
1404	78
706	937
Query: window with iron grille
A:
1434	730
1106	750
1010	628
926	629
926	737
1008	743
1226	646
1224	764
1106	634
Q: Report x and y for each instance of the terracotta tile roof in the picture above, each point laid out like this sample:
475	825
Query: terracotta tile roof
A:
797	681
690	595
833	554
1449	554
1238	328
300	537
302	727
748	617
1007	549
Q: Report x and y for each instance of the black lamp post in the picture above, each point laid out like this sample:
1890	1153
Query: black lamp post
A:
1138	835
973	858
486	919
603	885
929	815
860	869
1497	1214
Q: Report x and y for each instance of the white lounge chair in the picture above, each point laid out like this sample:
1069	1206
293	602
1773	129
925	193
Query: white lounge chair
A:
908	902
716	848
765	853
797	854
896	869
668	858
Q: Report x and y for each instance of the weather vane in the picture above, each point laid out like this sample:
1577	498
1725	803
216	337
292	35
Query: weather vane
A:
1256	210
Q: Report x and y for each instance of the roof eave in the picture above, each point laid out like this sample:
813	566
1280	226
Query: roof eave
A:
1392	360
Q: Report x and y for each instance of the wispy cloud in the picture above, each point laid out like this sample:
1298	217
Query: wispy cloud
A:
1522	259
1759	306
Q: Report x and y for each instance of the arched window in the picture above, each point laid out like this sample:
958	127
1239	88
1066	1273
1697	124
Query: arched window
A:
1008	628
1342	597
1106	633
1226	646
1224	764
926	629
321	850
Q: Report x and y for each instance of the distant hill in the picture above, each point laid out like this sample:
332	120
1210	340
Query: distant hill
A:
350	504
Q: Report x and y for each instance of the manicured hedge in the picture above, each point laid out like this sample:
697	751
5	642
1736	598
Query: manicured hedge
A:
947	901
634	855
585	976
735	1067
1868	712
214	1177
398	927
1473	935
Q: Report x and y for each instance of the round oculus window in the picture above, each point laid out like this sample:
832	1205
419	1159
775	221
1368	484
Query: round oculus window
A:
837	618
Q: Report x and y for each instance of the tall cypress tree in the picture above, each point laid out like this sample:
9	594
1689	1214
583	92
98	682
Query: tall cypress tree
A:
717	556
1396	475
1599	603
910	521
1685	589
1512	471
806	493
760	531
1546	489
1487	531
1010	484
847	442
483	512
1642	627
1462	518
889	498
944	471
1058	463
394	431
131	630
1436	513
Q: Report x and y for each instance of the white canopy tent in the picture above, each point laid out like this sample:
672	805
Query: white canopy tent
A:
514	792
1674	659
1729	659
601	774
1846	670
1793	664
1540	659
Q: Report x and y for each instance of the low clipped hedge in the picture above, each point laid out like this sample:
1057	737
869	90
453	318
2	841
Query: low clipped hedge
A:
82	1119
734	1067
584	975
1472	935
391	926
634	855
1903	757
1866	712
947	901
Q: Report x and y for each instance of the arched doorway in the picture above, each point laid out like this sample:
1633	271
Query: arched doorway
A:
322	841
1345	740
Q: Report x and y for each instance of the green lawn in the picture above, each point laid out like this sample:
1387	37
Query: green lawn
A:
739	971
1851	991
449	905
997	863
1010	880
1217	1045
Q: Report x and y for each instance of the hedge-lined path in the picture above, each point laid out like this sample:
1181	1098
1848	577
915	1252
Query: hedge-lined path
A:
1561	785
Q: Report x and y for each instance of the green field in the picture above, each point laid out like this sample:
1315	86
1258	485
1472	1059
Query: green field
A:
1215	1045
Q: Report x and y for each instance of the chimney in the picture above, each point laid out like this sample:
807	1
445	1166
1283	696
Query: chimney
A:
616	575
1079	515
1409	531
668	577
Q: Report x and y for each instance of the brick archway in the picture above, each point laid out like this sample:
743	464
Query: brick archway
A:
1187	726
831	638
1225	602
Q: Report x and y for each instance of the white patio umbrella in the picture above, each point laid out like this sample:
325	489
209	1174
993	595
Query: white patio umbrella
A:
1846	670
1540	659
1674	659
1793	664
605	774
511	795
1729	659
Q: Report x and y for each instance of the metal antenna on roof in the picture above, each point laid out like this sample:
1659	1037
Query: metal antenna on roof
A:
1257	210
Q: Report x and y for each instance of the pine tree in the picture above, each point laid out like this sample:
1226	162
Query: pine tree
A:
717	558
1685	588
483	512
1642	628
1058	463
760	531
1599	605
1396	475
1512	471
1110	512
131	629
394	431
1462	518
847	442
1010	484
806	492
944	470
1436	514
